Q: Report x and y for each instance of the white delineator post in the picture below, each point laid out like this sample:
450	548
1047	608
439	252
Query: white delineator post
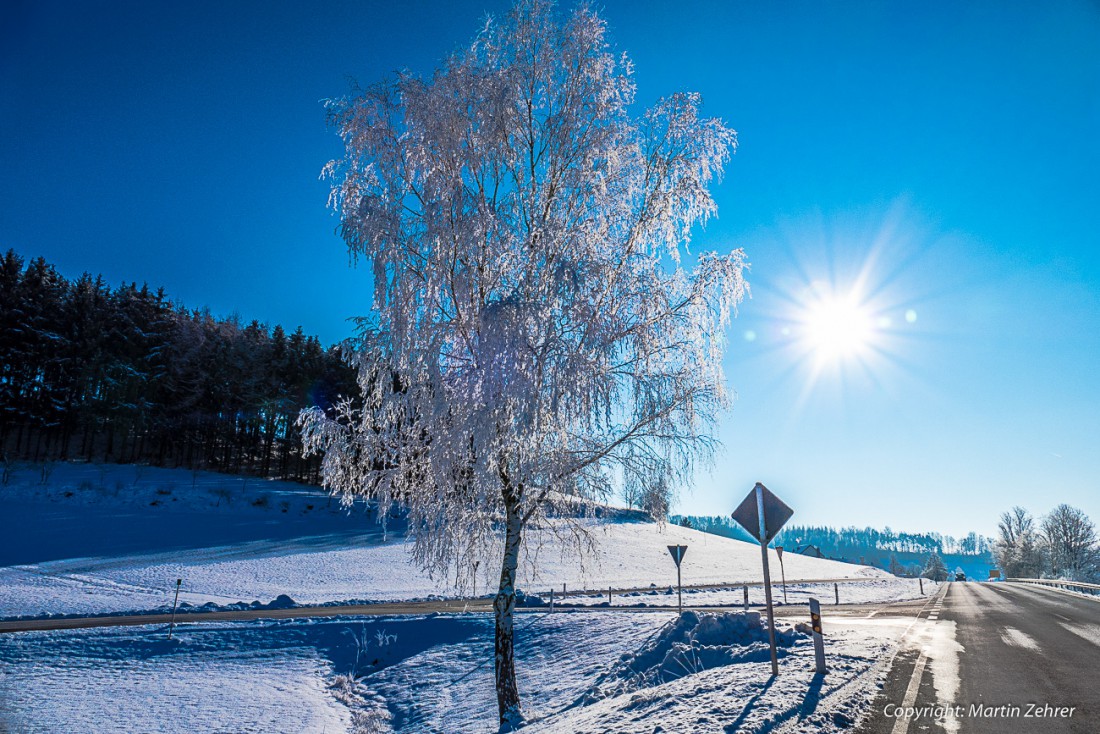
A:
767	579
819	641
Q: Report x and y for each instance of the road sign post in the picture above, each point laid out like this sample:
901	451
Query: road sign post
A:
819	641
172	624
763	514
678	552
767	580
782	571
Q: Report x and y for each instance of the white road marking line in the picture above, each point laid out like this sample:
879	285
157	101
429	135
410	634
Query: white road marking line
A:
901	724
1016	638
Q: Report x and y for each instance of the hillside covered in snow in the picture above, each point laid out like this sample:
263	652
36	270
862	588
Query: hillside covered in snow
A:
95	539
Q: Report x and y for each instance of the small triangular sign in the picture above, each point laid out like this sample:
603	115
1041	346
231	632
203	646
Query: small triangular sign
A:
677	552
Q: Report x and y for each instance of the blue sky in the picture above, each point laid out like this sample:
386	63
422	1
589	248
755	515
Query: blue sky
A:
946	151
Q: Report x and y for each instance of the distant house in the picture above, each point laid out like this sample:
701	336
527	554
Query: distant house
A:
809	550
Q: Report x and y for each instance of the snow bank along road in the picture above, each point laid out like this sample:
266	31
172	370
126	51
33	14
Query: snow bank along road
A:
997	658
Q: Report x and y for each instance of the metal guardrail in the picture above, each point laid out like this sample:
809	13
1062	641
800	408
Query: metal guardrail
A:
1091	589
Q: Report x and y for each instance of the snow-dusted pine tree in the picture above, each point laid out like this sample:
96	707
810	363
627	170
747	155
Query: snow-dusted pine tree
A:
535	339
935	569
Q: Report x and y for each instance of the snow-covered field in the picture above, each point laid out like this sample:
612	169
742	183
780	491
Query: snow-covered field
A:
578	671
94	539
107	539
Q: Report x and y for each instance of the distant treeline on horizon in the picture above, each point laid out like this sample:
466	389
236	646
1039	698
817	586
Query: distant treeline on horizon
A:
94	373
897	552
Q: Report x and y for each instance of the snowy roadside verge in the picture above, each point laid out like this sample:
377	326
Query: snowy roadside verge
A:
648	672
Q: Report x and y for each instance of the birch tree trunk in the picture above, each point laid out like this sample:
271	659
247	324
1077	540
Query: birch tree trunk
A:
504	605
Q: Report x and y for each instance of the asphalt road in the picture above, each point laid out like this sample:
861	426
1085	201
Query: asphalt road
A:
996	659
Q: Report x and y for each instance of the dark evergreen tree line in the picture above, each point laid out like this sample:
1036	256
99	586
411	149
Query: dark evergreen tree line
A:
94	373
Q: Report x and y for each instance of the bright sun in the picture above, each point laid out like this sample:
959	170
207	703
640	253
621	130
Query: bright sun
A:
838	327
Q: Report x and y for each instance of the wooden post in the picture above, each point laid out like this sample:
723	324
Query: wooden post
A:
921	582
746	588
836	591
551	600
609	596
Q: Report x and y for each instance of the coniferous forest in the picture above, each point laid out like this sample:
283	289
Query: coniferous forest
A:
94	373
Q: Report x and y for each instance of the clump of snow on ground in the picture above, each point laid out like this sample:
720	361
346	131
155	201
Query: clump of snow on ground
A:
694	642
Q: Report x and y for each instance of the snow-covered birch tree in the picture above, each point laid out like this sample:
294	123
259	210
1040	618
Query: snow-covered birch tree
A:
539	336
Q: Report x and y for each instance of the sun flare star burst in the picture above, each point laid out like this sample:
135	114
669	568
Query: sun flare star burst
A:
838	327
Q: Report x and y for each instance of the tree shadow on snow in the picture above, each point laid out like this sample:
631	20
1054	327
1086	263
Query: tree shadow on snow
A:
736	725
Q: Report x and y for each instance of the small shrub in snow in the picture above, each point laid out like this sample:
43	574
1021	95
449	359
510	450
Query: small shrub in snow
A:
369	714
262	501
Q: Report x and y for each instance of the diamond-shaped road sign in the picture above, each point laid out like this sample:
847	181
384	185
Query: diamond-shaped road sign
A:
678	552
763	514
776	514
